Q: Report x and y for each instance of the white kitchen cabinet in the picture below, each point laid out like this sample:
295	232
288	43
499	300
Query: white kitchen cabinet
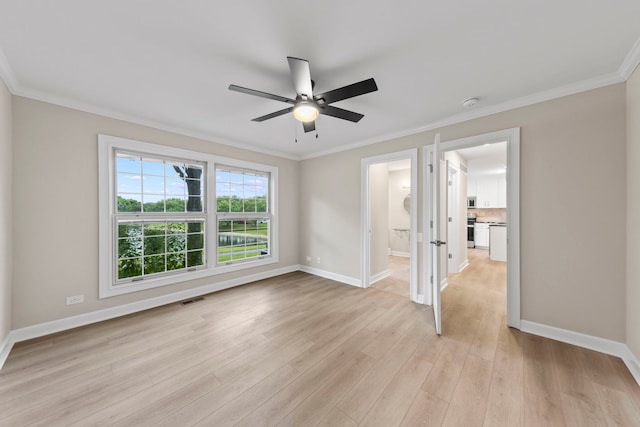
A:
498	243
491	191
481	235
472	186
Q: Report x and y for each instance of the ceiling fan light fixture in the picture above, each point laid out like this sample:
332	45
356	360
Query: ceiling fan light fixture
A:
306	112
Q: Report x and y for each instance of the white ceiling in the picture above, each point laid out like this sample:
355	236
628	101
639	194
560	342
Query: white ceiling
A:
169	64
487	159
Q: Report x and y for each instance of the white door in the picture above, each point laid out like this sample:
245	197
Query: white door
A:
438	172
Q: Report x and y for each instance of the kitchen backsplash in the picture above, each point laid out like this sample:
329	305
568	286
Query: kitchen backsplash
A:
489	215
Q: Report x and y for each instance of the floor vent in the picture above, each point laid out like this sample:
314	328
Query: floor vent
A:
192	300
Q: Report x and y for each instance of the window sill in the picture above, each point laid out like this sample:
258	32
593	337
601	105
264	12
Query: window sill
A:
114	290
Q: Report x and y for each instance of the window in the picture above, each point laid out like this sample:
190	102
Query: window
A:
160	215
243	214
168	215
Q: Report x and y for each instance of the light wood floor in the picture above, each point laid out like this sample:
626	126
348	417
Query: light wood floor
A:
398	280
299	350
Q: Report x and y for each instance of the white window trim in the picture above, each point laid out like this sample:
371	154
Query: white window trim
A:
107	146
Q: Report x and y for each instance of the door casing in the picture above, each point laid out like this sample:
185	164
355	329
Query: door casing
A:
512	137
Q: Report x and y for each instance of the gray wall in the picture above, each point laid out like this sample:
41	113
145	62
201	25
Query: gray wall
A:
55	212
6	250
573	198
633	213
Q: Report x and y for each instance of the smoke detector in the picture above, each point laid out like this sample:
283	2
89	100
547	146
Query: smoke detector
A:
470	102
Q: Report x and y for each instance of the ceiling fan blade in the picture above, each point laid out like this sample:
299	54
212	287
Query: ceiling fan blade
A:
261	94
301	76
272	115
309	126
349	91
329	110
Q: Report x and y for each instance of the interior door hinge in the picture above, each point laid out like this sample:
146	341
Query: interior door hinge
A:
430	168
431	279
450	256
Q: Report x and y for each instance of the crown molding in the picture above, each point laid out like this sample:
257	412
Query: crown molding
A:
94	109
631	62
571	89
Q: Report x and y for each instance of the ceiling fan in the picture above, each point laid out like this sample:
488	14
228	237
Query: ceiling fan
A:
307	106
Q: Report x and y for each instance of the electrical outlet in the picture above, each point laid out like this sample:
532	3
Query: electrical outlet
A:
308	258
76	299
318	260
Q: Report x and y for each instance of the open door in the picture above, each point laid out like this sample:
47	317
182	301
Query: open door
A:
438	171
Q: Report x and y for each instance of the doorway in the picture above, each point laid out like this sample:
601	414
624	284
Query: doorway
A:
434	274
389	222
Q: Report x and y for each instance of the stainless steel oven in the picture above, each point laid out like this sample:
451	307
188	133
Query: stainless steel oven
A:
471	225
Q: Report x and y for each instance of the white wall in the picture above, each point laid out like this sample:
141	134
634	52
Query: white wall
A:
573	198
399	218
6	195
633	213
379	218
55	181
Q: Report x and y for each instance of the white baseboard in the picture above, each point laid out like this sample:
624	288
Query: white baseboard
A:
402	254
420	299
6	347
377	277
464	265
332	276
602	345
444	283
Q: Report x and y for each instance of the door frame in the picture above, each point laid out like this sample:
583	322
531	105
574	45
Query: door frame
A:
365	220
452	237
512	137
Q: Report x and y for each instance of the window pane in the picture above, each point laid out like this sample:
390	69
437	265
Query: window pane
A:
176	261
131	164
129	203
171	172
154	229
153	203
176	227
194	186
236	178
128	268
176	186
151	167
129	247
176	204
195	204
195	258
153	185
176	243
129	183
129	230
154	264
235	204
223	204
154	245
261	204
249	205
